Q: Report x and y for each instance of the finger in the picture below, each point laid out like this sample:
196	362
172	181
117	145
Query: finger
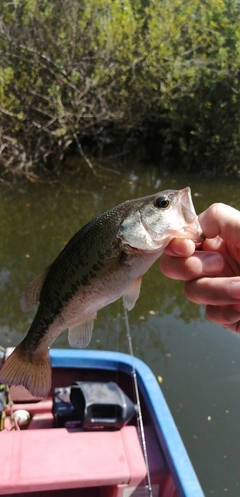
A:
223	220
189	268
214	291
227	316
233	327
180	247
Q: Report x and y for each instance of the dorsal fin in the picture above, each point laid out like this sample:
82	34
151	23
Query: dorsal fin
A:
80	334
30	296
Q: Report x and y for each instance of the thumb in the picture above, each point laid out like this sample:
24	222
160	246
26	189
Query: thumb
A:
223	220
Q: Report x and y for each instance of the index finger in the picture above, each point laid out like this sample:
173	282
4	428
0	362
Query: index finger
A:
223	220
216	291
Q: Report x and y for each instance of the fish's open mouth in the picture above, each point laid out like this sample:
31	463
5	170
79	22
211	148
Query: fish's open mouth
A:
191	233
187	208
188	215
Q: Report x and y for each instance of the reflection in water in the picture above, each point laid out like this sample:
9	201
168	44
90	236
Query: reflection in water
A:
194	357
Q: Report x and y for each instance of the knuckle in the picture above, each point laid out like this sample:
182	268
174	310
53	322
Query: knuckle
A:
222	314
216	208
190	293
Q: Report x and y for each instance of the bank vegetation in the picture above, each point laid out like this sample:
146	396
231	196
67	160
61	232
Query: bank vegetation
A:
94	76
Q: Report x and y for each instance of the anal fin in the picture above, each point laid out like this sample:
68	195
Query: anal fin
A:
131	295
80	334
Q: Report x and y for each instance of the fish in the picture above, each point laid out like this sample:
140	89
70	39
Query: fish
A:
103	261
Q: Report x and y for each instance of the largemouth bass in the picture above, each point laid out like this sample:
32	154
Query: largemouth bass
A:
104	261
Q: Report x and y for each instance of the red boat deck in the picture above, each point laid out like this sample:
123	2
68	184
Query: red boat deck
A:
60	461
56	459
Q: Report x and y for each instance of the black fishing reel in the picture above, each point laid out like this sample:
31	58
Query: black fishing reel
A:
93	406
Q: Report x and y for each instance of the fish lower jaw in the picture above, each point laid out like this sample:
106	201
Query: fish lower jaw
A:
196	235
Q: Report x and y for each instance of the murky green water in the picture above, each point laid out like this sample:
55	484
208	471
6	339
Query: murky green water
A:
198	361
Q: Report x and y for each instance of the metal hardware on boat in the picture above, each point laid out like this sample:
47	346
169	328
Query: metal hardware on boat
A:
2	355
2	406
63	409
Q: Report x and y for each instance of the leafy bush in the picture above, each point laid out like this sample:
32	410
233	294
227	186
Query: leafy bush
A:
108	69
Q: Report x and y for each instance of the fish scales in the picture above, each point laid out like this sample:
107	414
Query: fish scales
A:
104	261
86	262
74	271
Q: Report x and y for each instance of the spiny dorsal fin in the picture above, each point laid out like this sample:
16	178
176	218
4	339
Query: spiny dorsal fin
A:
30	296
131	295
80	334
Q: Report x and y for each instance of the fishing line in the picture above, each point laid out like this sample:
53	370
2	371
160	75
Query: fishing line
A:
139	418
118	338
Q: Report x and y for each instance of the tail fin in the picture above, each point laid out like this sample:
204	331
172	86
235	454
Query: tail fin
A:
29	369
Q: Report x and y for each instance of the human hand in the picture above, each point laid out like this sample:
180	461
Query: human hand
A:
212	274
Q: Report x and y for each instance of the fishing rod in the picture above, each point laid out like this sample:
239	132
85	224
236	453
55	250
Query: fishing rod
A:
139	409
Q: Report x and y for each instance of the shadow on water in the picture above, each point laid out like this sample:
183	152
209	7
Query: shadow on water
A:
197	361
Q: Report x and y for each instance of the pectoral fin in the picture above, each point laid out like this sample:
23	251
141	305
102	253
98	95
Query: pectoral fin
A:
131	295
31	294
80	334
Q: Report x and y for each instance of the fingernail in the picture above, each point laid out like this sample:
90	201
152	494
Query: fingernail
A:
234	289
183	247
212	263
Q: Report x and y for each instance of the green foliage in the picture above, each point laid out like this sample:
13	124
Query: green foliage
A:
107	68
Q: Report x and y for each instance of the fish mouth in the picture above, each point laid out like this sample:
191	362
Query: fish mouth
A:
189	227
191	233
188	209
193	229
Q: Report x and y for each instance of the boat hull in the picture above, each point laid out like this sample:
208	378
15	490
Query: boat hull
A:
47	461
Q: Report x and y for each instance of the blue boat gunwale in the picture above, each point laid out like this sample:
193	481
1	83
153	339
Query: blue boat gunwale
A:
174	450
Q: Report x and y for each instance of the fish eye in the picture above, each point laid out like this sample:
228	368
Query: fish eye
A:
162	202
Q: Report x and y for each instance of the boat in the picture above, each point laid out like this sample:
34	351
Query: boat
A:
83	440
